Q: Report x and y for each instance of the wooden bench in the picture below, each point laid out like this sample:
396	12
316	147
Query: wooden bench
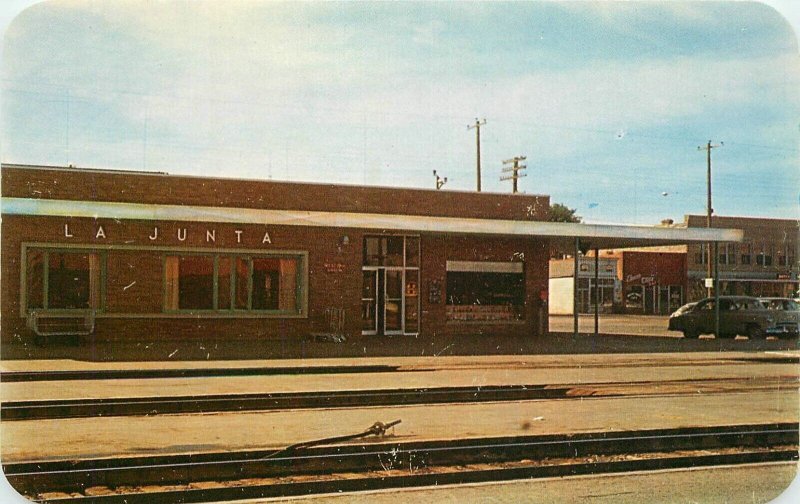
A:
47	324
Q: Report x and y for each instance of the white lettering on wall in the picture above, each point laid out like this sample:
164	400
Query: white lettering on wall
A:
183	234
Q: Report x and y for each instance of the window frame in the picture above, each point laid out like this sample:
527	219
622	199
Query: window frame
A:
159	252
301	294
47	249
486	268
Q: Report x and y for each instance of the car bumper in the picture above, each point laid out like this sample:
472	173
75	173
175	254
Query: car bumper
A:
675	324
783	330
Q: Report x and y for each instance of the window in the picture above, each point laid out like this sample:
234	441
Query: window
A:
746	249
764	258
233	283
701	257
727	253
485	291
387	251
63	279
190	282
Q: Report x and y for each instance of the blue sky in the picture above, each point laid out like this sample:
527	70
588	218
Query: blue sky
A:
609	102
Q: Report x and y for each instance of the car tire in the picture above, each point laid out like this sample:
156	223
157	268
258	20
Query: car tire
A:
691	333
754	331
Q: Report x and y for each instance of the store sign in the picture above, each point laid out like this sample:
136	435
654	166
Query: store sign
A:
644	280
180	234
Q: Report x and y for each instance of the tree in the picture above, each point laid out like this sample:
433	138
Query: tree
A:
560	213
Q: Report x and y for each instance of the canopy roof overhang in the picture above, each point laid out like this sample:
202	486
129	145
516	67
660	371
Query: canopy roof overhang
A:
600	236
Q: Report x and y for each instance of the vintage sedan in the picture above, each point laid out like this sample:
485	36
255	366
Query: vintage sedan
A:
742	315
787	316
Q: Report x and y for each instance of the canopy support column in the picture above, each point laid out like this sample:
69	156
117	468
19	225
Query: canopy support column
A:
596	291
575	288
716	289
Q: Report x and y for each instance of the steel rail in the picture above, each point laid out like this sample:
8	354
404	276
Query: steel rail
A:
133	406
752	443
137	374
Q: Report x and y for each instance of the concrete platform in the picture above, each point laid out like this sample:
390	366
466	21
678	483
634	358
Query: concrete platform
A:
754	375
169	434
412	372
404	362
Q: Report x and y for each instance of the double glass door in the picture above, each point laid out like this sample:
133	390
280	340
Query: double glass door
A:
382	301
389	292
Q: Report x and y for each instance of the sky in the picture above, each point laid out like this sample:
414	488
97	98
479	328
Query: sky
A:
609	102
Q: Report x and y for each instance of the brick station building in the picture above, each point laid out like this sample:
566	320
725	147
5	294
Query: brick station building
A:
151	256
181	257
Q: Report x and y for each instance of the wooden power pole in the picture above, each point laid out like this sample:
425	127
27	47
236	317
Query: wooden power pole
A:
477	126
515	168
709	210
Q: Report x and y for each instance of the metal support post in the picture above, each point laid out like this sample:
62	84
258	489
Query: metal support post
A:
596	292
575	289
716	290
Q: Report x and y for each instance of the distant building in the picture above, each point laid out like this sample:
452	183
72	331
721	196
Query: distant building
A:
657	280
765	264
654	280
561	285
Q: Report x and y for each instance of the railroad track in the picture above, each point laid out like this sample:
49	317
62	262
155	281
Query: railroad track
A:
138	374
389	464
133	406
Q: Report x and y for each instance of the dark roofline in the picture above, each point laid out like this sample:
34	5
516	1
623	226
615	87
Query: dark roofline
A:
119	171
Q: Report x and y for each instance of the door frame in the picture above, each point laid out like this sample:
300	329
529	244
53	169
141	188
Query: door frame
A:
374	269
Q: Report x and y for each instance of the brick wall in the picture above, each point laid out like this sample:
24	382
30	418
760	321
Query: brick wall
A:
71	184
134	286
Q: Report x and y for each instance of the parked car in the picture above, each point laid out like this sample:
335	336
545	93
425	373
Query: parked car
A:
787	316
737	315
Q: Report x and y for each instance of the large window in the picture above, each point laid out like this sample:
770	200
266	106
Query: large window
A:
234	283
485	291
62	279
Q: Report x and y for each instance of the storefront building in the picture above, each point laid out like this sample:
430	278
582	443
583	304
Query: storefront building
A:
653	281
764	264
603	288
157	256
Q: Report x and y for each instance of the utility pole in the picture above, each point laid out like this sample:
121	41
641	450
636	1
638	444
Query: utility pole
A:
516	168
709	210
439	180
477	127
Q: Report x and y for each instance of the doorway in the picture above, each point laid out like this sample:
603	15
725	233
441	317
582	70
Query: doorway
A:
389	293
382	301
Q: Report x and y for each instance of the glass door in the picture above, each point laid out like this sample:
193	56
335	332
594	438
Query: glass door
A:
390	285
369	302
393	301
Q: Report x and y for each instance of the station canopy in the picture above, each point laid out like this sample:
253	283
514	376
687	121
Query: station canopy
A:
600	236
